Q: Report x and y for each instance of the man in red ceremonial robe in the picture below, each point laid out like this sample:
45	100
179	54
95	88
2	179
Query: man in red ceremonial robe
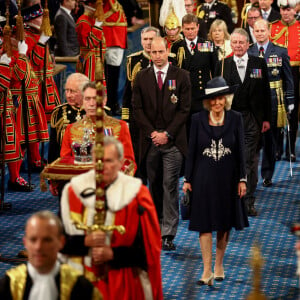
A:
40	58
91	41
131	262
117	128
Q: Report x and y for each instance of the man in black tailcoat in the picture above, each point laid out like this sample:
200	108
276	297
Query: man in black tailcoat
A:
161	104
252	99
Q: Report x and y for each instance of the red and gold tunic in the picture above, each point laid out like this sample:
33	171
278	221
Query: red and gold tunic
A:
288	35
91	39
12	146
115	24
37	123
36	53
117	128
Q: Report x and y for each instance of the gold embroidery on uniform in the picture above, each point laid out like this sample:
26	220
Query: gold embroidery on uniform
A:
17	281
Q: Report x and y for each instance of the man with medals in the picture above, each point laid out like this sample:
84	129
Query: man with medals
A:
211	10
282	93
161	105
44	277
252	98
136	62
196	55
286	32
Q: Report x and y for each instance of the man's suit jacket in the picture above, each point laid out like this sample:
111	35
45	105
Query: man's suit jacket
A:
66	36
255	89
274	16
278	69
174	112
250	37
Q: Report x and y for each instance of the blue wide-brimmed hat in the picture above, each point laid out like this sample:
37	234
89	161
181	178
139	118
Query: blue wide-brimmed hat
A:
218	87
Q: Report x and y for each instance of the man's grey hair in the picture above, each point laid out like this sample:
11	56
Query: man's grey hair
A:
110	140
80	78
241	31
151	28
50	216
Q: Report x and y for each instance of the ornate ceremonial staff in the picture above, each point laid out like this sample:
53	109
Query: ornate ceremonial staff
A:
7	49
20	37
100	204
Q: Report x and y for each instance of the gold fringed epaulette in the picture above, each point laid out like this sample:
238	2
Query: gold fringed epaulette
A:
17	278
125	113
198	14
180	56
131	74
135	54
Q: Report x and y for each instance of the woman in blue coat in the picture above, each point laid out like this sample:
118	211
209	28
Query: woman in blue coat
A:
215	174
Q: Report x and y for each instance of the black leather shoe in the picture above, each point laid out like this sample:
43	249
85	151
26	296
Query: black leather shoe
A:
38	166
293	157
20	185
168	245
267	182
252	211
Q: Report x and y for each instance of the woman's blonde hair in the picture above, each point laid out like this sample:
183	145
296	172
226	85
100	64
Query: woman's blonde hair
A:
228	102
223	26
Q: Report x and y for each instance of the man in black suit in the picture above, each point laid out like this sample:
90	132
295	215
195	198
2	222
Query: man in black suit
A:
161	104
252	99
268	12
66	36
253	15
282	85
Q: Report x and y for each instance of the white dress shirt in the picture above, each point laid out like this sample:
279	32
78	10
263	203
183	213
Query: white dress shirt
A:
164	71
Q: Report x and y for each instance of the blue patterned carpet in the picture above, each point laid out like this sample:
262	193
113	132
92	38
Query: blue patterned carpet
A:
279	208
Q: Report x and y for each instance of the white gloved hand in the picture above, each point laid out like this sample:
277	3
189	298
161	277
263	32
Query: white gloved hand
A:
44	38
5	59
291	107
98	23
22	47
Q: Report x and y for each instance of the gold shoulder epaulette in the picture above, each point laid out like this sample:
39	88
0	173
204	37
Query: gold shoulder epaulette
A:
200	14
135	53
180	56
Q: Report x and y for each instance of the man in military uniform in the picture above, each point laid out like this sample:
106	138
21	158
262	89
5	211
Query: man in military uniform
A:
286	32
66	113
198	56
211	10
281	84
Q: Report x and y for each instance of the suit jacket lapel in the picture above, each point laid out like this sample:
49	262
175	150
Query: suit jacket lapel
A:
269	50
152	87
233	70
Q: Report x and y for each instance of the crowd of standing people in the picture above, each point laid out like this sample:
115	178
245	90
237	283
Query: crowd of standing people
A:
201	99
